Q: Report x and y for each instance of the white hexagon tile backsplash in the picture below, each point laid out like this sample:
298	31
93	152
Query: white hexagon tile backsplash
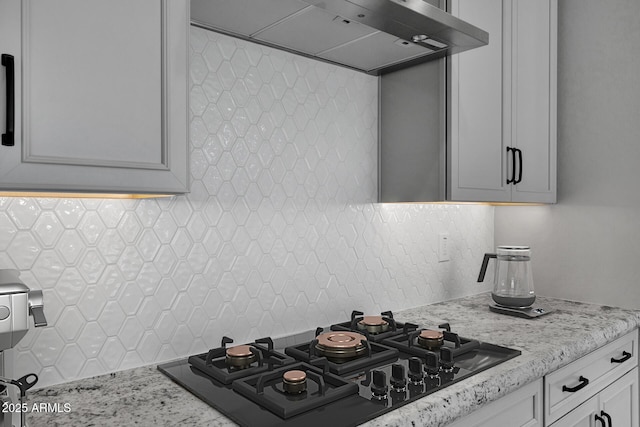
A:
279	234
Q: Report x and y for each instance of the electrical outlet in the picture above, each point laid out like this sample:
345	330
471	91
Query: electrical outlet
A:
443	247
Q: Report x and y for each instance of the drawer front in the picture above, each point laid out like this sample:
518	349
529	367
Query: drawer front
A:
573	384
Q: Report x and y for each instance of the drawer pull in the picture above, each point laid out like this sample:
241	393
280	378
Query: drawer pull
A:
583	384
625	356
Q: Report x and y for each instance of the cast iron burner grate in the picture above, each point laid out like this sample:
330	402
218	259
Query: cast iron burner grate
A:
213	363
407	341
268	391
395	328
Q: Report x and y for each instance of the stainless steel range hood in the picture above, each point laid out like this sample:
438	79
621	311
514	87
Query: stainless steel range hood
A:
373	36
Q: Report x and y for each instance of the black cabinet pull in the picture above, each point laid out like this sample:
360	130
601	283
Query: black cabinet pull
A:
512	180
519	152
608	417
598	418
583	384
8	137
625	356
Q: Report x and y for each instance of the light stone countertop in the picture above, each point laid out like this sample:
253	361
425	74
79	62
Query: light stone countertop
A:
145	397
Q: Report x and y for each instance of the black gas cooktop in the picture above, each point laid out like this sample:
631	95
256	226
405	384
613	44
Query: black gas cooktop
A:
369	371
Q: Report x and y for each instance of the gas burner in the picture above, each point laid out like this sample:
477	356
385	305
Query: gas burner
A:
430	339
340	347
422	342
373	324
228	364
294	381
342	352
269	389
375	328
240	356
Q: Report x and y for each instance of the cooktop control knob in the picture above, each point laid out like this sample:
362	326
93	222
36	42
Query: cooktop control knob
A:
398	380
446	359
379	386
415	371
433	364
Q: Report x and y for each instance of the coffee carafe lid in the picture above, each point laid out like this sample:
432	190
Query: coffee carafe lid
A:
513	250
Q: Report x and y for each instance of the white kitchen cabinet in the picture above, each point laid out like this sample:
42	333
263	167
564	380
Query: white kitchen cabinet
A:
503	104
616	405
573	384
603	383
101	95
495	106
620	400
522	408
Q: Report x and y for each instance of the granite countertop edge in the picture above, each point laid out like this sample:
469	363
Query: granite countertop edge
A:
461	399
576	329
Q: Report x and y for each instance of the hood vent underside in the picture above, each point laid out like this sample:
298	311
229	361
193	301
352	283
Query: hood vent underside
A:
373	36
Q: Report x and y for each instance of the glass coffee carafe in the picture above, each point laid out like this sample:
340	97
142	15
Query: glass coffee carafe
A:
513	281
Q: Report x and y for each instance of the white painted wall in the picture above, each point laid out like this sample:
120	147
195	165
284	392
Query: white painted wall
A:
587	247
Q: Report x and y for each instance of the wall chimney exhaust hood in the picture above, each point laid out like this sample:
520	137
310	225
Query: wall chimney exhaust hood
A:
372	36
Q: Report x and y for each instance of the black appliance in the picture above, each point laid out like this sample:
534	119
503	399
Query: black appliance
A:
343	377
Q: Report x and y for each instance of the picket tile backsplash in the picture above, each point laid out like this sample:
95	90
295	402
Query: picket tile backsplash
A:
280	232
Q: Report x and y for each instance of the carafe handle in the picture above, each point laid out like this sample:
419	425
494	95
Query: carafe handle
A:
485	263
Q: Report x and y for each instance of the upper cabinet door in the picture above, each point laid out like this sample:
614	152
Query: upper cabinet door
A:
101	95
478	158
532	57
503	104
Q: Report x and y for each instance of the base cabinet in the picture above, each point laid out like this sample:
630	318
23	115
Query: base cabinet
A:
616	405
620	401
597	390
603	380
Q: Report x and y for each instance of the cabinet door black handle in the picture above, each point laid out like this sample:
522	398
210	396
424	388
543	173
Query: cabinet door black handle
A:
519	152
625	356
513	165
7	138
598	418
583	384
608	417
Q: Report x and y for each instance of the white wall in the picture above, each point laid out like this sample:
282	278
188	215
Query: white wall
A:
279	234
587	247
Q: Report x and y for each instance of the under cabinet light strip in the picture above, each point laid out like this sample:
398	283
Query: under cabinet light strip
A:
59	195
